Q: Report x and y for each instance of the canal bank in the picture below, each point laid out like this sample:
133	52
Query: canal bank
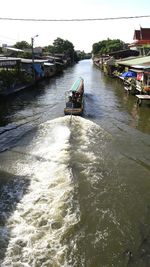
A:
17	74
75	192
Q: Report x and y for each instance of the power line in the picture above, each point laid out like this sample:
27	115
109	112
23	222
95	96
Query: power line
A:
66	20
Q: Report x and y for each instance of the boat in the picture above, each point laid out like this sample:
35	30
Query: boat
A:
74	98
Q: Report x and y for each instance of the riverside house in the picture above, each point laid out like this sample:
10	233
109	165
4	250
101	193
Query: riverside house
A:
141	41
17	73
140	66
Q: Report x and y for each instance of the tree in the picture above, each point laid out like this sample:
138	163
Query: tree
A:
65	47
61	45
96	48
107	46
49	49
22	45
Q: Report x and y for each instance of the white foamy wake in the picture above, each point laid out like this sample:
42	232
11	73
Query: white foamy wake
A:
48	211
45	213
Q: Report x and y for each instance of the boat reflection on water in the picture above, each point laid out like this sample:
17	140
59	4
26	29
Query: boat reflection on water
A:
74	98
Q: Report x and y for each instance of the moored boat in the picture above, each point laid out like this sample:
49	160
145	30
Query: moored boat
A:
74	98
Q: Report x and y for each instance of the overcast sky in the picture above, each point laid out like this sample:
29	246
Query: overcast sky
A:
81	34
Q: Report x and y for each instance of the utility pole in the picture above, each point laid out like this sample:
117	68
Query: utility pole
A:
32	47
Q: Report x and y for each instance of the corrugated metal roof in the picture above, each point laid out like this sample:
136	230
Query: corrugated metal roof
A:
145	67
14	49
24	60
48	64
135	61
9	58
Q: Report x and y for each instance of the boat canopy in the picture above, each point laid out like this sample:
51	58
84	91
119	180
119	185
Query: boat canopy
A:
78	85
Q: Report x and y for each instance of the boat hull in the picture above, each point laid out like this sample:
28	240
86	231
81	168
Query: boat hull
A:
73	111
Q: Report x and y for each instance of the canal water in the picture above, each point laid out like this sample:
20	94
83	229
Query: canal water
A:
74	191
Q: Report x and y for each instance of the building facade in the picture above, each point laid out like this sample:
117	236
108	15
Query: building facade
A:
141	41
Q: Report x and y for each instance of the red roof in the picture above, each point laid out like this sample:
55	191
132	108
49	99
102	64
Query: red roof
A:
136	35
139	42
142	34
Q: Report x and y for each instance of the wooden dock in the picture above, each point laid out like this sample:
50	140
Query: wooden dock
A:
140	98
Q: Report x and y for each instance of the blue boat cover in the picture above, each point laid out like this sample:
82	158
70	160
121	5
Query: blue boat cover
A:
128	74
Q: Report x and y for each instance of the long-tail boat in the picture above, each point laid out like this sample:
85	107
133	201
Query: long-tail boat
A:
74	98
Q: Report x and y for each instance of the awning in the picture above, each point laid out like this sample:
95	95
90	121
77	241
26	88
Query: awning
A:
135	61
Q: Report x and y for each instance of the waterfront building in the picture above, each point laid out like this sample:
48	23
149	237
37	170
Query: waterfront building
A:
141	41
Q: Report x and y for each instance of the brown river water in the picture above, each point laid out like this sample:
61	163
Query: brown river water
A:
75	191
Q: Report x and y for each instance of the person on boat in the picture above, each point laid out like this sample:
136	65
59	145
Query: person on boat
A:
78	103
74	96
74	99
69	104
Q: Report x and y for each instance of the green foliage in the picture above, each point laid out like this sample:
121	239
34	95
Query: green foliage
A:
96	48
25	55
49	49
61	46
107	46
83	55
12	77
22	45
65	47
6	78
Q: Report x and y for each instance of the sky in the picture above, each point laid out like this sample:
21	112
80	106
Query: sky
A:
82	34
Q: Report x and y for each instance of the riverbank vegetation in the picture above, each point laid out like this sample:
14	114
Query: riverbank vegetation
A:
59	46
107	46
10	78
